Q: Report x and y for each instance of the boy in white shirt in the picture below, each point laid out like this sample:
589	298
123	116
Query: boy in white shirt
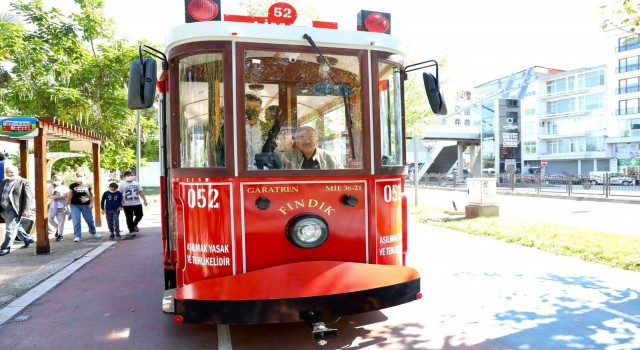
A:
131	204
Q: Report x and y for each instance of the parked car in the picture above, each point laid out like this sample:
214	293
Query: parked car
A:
598	178
563	179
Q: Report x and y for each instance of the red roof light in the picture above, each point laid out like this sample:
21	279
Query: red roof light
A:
373	21
376	22
202	10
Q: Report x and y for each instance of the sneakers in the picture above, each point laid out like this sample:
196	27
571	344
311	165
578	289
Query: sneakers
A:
118	235
77	239
59	238
112	236
27	243
96	235
136	229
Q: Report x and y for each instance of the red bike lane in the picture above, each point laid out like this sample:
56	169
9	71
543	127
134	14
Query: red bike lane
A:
112	302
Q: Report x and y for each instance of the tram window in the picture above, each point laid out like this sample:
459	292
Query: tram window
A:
390	115
201	111
304	92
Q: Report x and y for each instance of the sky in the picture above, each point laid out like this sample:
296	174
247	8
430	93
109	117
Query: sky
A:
479	40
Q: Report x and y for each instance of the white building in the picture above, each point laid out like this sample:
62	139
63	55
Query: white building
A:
564	122
624	103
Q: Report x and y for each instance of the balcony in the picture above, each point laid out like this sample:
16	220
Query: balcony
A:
625	136
628	89
562	115
627	111
627	47
561	94
628	68
563	135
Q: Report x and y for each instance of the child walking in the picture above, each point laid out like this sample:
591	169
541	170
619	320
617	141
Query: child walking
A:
111	204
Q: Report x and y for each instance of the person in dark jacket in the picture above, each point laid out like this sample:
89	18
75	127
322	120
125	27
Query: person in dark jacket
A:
15	203
111	204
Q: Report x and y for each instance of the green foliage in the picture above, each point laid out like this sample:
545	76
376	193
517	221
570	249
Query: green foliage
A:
70	66
622	14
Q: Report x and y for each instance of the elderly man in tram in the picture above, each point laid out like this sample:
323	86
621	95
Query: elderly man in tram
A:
306	154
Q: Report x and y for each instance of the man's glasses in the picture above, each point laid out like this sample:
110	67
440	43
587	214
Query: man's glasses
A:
306	138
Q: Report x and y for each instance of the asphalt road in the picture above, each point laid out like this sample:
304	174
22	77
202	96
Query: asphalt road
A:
609	216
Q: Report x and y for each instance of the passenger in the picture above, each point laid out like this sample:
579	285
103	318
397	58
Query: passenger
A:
131	204
57	192
80	200
16	201
111	204
271	113
306	154
253	130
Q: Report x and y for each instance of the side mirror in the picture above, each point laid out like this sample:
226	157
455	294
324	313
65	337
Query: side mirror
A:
436	100
142	83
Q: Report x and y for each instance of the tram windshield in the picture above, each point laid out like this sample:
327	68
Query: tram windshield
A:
308	114
296	111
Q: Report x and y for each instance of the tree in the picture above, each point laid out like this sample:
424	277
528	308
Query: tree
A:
623	14
69	66
11	32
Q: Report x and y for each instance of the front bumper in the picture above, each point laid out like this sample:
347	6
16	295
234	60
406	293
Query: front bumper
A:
282	293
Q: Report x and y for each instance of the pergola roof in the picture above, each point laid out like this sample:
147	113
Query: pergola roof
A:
58	130
54	129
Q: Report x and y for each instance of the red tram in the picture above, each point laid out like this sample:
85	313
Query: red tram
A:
284	161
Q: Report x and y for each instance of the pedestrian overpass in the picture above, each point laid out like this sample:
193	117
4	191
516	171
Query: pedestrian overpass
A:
449	148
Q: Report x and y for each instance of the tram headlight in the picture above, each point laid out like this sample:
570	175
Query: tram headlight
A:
307	230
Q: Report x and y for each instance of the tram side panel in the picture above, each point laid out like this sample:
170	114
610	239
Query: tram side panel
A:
204	212
390	233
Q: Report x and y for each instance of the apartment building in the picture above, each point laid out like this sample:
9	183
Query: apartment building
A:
564	122
624	103
576	121
543	118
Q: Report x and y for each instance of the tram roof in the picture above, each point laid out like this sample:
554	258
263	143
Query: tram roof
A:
280	34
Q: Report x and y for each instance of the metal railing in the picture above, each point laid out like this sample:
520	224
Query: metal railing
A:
606	185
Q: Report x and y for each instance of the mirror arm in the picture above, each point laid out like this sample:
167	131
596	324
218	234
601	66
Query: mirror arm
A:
155	53
420	65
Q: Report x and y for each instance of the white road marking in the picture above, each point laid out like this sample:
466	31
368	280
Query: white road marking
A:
224	337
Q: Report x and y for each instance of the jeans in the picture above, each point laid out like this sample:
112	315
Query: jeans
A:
87	213
12	220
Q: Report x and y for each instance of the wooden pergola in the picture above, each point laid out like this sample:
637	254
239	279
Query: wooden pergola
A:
53	129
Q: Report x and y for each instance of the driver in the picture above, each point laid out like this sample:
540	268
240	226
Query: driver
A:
306	154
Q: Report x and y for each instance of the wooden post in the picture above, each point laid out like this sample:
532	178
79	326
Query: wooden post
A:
40	192
96	184
24	158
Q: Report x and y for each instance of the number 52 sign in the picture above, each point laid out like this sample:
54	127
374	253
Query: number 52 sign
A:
282	13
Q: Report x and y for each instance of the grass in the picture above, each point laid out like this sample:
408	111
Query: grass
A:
613	249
